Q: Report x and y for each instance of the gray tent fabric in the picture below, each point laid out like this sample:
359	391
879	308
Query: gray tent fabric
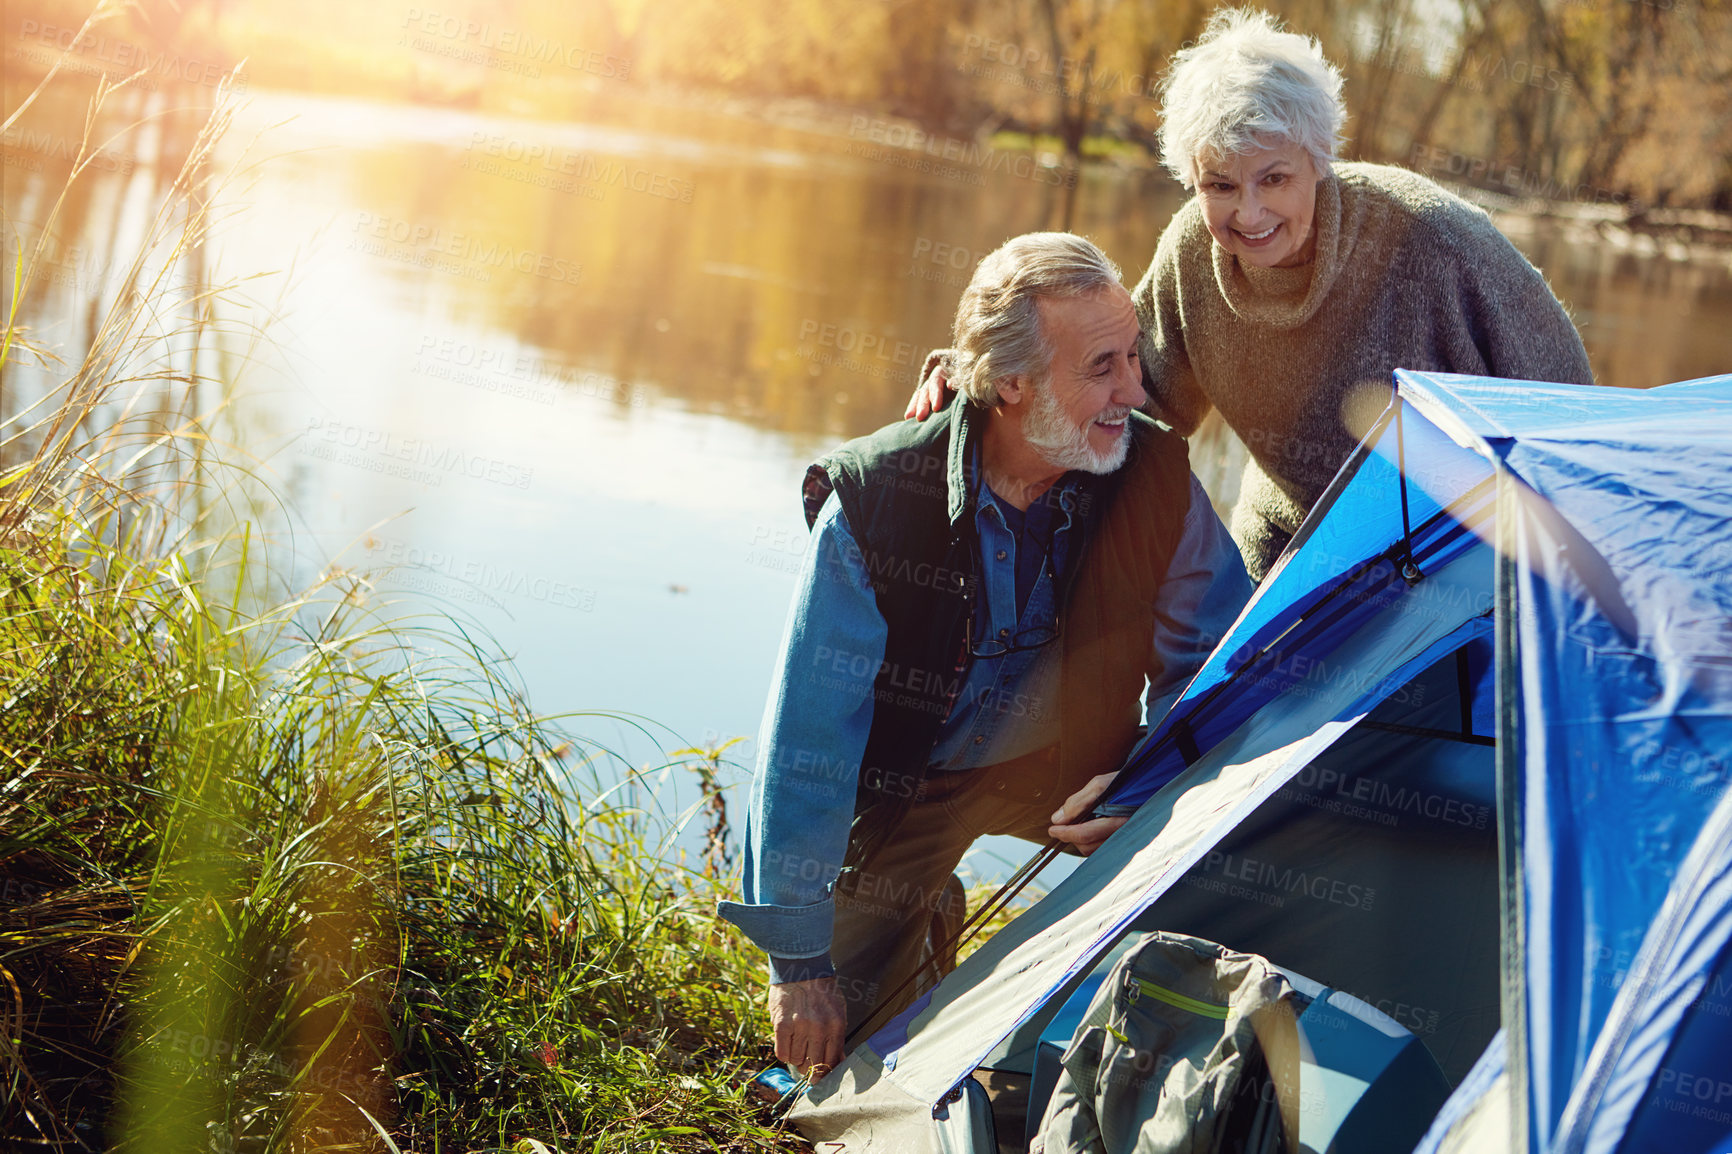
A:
1188	1048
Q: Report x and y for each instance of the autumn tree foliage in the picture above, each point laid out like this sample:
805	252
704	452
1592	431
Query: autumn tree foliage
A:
1596	100
1605	101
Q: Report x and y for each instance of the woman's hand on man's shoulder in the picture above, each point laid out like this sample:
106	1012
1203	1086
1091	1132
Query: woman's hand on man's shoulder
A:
932	393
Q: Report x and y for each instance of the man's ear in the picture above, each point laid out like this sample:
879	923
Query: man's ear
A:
1011	390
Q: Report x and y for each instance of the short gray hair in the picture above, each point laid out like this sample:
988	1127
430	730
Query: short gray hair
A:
1247	79
997	332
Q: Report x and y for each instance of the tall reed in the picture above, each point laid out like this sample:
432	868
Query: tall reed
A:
279	873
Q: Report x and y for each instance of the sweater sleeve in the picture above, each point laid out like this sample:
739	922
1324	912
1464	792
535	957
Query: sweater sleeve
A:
1519	325
1174	395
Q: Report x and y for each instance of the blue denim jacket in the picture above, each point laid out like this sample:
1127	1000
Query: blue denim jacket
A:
819	714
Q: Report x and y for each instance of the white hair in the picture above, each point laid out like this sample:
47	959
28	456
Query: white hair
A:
997	330
1244	82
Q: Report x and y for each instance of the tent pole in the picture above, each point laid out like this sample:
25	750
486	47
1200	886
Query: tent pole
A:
1003	896
1409	568
1508	763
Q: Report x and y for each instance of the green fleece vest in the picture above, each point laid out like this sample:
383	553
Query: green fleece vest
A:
905	495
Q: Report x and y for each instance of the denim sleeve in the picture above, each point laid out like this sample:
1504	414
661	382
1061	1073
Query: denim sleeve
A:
1205	588
785	970
812	739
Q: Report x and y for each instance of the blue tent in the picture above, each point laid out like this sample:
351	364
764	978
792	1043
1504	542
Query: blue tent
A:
1463	756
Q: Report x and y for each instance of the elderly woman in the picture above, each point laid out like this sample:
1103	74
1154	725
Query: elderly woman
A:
1291	286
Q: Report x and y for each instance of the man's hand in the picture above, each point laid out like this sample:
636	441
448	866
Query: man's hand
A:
810	1022
932	393
1085	836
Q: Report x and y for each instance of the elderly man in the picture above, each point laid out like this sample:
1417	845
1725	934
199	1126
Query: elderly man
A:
984	600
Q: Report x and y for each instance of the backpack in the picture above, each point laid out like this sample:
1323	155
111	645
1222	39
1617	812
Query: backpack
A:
1187	1048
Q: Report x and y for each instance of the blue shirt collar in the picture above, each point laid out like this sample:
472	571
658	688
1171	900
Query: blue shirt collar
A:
1064	491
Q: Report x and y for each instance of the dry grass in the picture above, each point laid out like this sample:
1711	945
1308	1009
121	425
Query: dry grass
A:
276	874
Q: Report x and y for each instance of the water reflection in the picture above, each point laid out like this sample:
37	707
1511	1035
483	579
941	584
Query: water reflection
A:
774	277
564	378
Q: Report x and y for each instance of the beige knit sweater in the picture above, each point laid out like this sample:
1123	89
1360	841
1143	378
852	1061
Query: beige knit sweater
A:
1299	360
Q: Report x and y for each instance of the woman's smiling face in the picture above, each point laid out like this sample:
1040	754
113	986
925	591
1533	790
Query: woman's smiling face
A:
1259	205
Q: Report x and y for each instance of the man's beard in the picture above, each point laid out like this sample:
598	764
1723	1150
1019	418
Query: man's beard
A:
1064	444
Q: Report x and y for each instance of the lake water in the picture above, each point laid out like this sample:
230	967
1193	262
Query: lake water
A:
563	379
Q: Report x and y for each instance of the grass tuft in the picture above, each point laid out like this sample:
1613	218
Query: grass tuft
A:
277	874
